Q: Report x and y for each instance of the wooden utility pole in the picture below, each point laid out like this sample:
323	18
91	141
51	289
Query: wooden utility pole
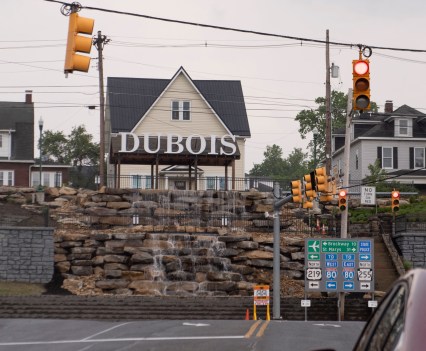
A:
327	107
99	43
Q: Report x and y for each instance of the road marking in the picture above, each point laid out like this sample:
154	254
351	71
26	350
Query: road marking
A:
106	330
197	324
252	329
328	325
26	343
262	329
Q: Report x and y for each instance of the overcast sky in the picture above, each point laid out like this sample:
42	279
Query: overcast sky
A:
280	77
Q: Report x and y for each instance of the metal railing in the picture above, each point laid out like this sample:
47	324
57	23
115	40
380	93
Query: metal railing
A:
182	182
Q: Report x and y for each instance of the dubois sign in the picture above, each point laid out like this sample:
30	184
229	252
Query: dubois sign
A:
176	144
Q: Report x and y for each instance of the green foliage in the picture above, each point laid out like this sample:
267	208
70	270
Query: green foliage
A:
277	167
76	149
315	118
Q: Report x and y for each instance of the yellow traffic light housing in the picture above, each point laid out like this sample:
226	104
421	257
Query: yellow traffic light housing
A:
78	43
310	185
321	180
395	201
343	201
296	191
308	203
361	84
326	198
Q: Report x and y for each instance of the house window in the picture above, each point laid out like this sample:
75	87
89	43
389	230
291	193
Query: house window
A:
49	179
356	160
403	127
387	160
181	110
419	157
139	181
5	145
6	178
211	183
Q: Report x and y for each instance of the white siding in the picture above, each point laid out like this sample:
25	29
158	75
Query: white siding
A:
203	122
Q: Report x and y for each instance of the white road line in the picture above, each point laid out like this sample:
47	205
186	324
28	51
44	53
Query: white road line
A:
120	340
106	330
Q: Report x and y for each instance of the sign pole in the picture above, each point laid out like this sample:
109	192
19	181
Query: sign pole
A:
344	217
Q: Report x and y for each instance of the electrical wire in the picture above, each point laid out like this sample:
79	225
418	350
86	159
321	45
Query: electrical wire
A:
246	31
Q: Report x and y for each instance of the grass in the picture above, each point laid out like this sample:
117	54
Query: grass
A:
21	289
417	206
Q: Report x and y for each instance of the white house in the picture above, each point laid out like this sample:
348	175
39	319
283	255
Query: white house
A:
175	133
396	138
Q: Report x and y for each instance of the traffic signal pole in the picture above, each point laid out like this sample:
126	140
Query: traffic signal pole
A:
344	214
327	107
276	274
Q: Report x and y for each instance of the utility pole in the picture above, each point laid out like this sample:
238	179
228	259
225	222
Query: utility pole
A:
99	43
327	107
344	215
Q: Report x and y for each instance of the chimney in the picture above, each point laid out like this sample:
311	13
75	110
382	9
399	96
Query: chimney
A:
388	106
28	96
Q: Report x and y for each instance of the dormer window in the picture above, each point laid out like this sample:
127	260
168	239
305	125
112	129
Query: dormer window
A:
181	110
403	127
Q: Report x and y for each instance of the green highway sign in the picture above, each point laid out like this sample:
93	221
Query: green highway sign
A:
314	257
339	265
339	246
314	246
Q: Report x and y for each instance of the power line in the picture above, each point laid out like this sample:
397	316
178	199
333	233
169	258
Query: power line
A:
246	31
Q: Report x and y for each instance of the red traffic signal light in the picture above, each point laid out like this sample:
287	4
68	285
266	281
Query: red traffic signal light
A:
78	43
395	201
361	84
343	203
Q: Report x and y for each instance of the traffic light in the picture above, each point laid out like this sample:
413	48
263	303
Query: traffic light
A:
321	181
310	185
361	84
78	43
326	198
395	201
308	203
343	201
296	191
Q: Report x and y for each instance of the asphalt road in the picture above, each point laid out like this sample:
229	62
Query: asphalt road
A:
83	335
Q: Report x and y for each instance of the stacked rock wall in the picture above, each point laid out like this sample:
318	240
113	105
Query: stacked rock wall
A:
140	263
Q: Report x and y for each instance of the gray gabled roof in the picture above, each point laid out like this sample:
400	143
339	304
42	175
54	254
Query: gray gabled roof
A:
130	98
406	110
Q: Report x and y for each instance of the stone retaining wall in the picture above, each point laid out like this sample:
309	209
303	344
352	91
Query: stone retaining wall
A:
26	254
413	247
203	264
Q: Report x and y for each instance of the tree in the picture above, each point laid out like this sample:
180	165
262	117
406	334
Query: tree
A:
81	150
54	146
276	167
76	149
315	118
272	165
